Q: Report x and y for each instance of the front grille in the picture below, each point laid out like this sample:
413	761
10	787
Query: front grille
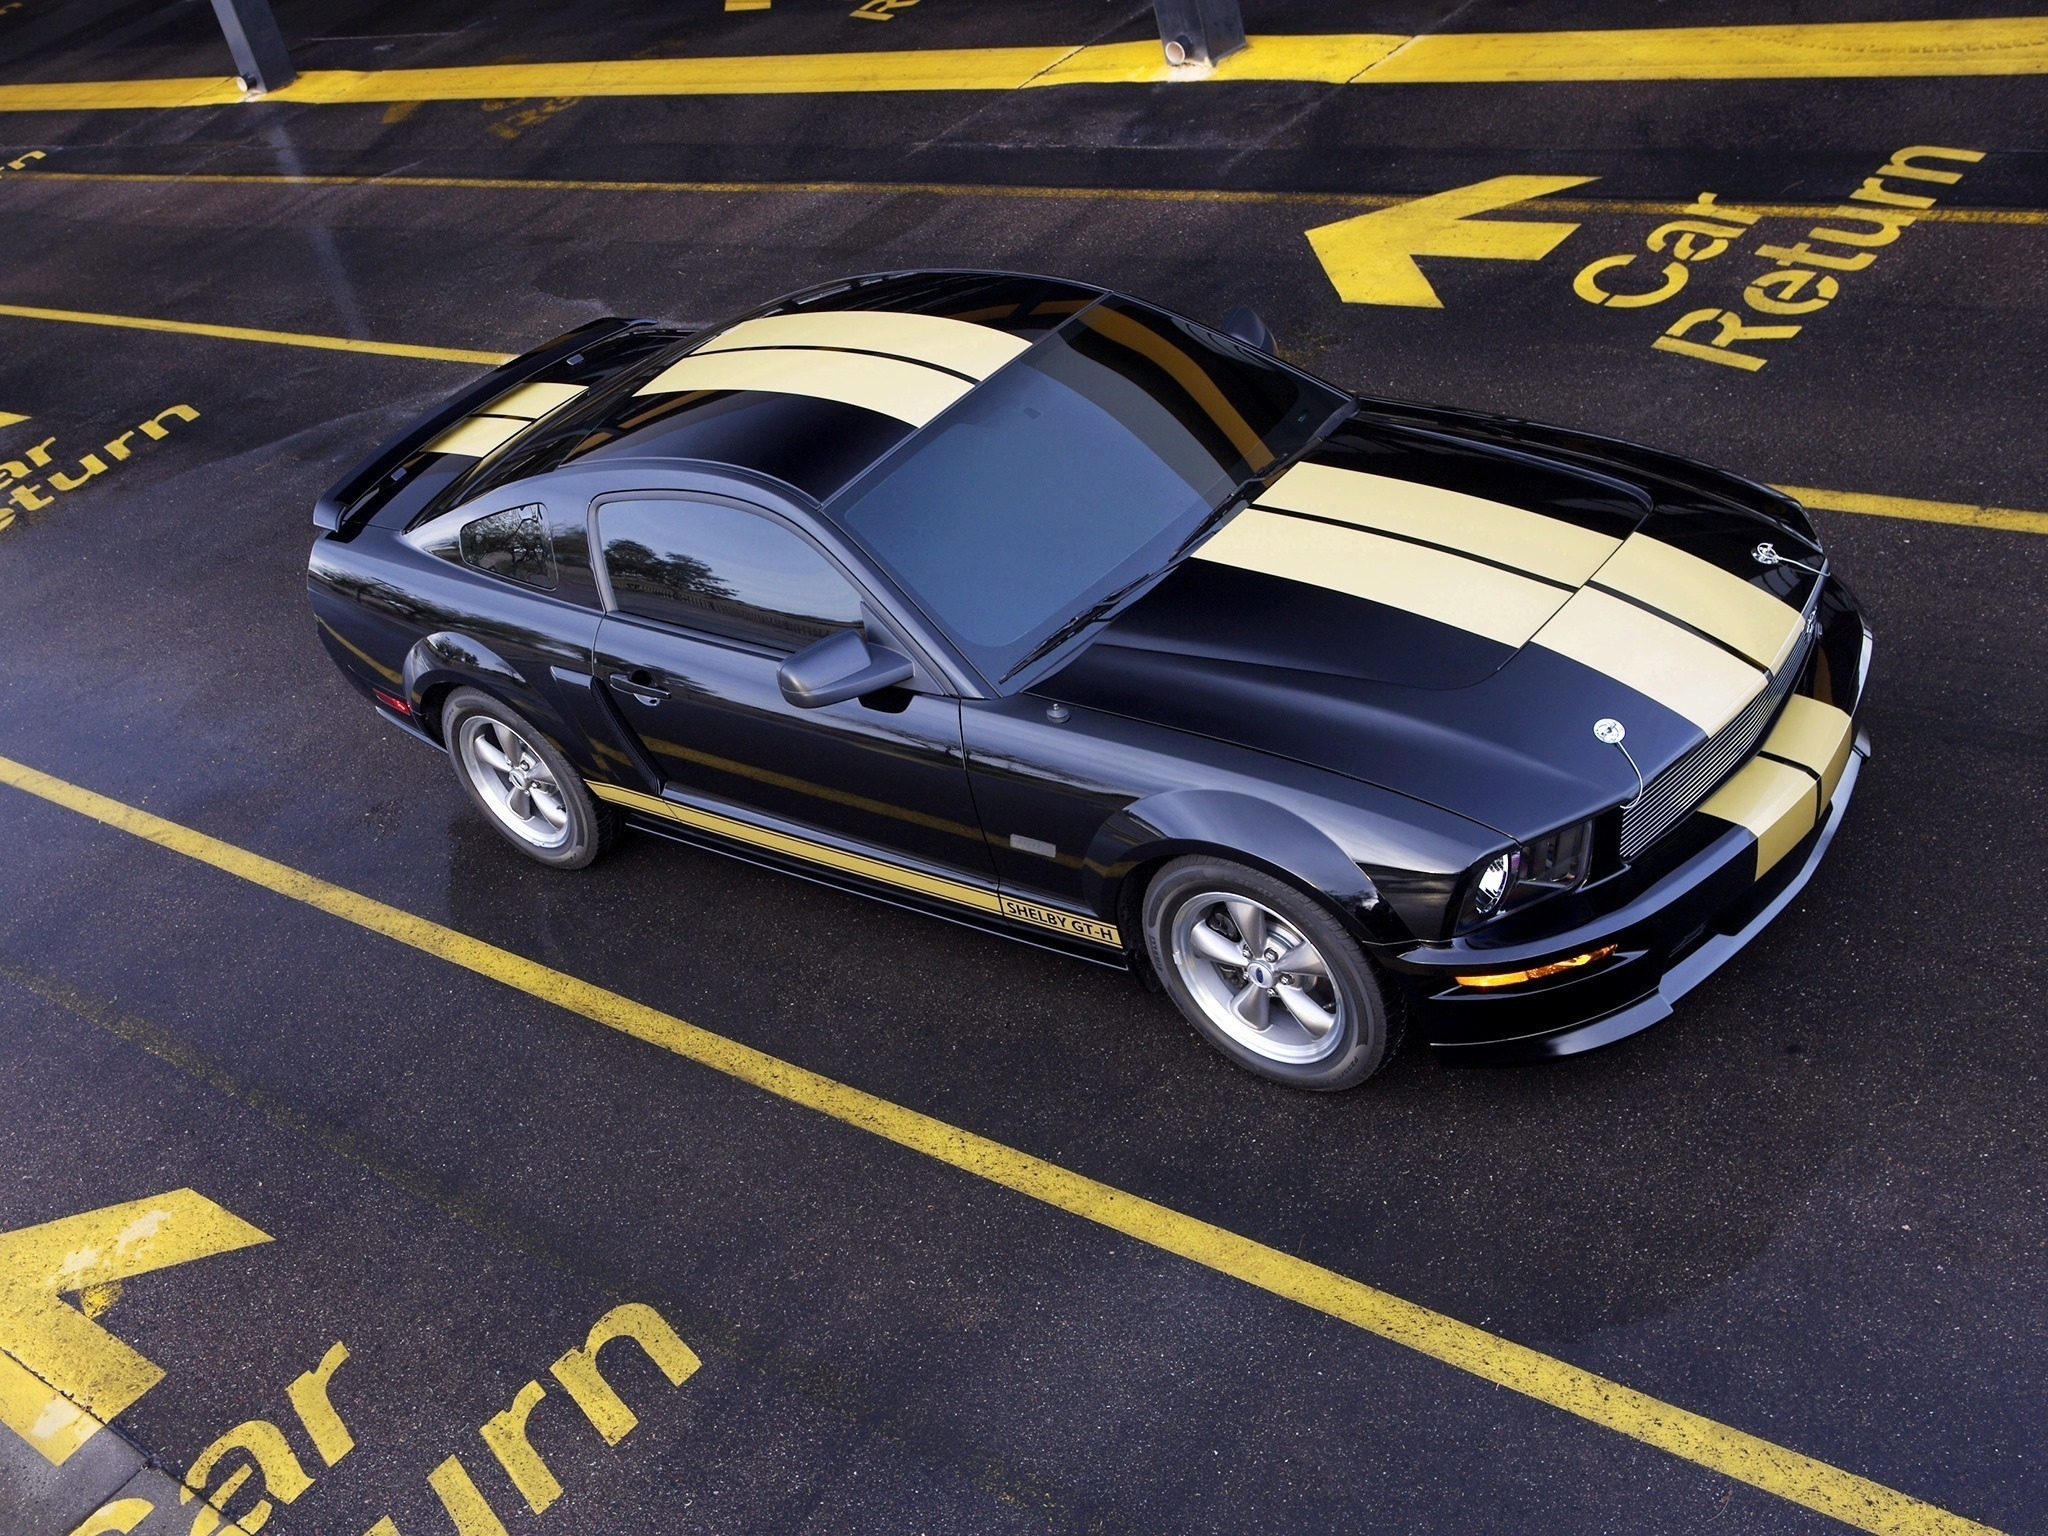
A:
1678	789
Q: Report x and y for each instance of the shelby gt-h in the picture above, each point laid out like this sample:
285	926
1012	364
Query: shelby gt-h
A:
1038	607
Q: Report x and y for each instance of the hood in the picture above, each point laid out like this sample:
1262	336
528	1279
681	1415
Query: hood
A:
1447	618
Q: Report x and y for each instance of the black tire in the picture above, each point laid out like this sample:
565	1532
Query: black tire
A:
1196	891
473	724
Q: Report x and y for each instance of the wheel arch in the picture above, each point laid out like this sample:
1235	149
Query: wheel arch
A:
1133	845
441	662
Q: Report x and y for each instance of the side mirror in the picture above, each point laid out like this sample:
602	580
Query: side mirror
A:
839	667
1248	328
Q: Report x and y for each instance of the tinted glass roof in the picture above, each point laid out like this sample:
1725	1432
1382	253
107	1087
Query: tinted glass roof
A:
1022	305
816	388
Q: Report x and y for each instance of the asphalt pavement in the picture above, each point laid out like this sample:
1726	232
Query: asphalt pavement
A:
1810	1206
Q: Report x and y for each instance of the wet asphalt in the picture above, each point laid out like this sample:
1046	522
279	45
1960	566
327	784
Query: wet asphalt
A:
1811	1204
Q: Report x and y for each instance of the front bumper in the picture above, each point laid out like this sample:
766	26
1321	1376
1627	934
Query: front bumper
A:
1667	940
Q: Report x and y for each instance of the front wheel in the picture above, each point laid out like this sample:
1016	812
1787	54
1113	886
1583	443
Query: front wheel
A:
525	788
1267	975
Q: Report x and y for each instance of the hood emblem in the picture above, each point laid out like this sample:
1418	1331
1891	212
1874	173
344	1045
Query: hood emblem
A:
1611	732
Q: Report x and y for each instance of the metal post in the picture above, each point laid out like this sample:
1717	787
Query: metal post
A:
1191	31
260	56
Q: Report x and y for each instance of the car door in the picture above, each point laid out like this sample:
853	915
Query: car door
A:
706	597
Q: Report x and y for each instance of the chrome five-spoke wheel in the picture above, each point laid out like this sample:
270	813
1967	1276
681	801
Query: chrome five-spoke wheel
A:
1268	974
1257	977
514	782
516	776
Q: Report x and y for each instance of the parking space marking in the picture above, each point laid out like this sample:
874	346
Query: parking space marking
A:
245	333
1818	50
2024	217
1775	1469
33	482
1957	512
1961	513
62	1375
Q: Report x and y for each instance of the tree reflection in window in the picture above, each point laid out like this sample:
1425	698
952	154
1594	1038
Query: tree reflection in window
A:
513	544
708	566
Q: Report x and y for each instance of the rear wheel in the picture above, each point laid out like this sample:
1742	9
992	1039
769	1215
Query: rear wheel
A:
524	787
1267	975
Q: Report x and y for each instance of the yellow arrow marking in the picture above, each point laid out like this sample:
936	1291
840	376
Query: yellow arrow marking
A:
1371	258
9	418
61	1374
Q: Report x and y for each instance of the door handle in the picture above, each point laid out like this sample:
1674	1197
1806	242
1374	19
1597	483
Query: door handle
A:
640	684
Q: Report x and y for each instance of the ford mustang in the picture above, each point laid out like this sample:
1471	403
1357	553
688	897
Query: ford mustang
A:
1037	607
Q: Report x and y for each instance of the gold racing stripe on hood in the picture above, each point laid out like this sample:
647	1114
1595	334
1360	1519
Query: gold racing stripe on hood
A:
1681	671
959	346
908	391
1542	546
1433	583
1743	617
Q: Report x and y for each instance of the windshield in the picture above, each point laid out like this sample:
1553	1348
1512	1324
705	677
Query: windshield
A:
1075	474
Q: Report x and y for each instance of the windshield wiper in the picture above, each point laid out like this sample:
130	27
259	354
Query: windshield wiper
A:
1209	524
1094	612
1103	607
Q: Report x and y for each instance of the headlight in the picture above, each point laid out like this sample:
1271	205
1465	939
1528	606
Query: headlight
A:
1557	861
1495	881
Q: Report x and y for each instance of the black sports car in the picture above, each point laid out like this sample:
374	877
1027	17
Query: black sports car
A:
1040	608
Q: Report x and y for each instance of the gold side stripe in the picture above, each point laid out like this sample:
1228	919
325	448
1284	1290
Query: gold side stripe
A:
801	848
1778	803
478	435
1708	598
959	345
1694	677
1430	582
1818	737
1528	541
663	748
908	391
533	401
878	870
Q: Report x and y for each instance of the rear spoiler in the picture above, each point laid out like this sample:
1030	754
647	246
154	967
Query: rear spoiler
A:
334	503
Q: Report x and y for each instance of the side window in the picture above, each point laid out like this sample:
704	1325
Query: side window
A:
513	544
717	568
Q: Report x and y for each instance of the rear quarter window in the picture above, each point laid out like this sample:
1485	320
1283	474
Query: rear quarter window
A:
514	544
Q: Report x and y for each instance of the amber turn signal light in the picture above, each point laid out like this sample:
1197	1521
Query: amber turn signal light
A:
1536	973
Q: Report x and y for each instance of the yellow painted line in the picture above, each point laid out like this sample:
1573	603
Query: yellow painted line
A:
1813	51
1829	1490
1827	50
1958	512
62	1375
244	333
2028	217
